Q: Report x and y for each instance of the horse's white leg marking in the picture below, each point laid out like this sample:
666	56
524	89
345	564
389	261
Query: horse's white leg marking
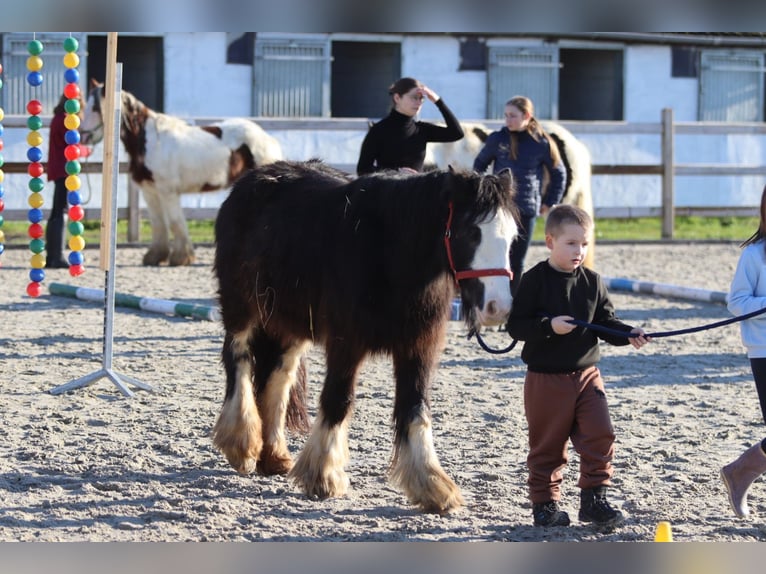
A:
496	237
319	470
416	470
181	248
275	457
159	250
237	432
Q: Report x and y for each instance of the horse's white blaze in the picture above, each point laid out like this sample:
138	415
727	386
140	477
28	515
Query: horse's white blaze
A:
320	468
496	236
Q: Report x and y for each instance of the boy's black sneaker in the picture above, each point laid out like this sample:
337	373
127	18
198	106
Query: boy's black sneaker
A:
548	514
594	507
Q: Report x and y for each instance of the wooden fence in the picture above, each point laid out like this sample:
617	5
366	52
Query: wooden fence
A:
667	169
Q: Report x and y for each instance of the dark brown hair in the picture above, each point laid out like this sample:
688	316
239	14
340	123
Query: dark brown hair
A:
760	233
403	85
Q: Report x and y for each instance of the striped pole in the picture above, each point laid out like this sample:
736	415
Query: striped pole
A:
664	289
162	306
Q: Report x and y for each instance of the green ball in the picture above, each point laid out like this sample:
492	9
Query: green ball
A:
72	106
73	167
35	47
1	83
71	44
36	184
76	227
37	245
34	123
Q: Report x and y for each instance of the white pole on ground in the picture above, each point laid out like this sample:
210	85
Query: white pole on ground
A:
111	113
664	289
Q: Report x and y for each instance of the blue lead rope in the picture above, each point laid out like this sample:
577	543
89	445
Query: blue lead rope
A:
628	335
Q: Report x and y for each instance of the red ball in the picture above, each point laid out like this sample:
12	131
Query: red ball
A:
76	213
34	289
1	144
35	169
72	91
36	231
34	107
76	270
72	152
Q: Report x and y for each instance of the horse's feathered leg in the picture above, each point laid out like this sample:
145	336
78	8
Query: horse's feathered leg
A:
159	250
415	466
273	395
181	247
320	468
237	432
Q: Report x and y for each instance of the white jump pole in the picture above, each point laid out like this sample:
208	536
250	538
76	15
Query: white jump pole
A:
111	111
664	289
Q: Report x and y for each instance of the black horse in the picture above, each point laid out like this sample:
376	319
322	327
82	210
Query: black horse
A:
306	254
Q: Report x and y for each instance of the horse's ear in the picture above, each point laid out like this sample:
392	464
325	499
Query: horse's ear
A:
506	178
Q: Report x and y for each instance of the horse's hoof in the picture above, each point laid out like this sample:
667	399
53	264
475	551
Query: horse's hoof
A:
274	466
155	257
181	258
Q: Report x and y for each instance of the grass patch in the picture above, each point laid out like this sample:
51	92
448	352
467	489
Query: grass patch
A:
636	229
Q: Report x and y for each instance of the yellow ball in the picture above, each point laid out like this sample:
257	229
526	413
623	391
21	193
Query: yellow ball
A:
2	114
2	176
76	243
71	60
72	121
37	261
36	199
72	182
34	138
2	236
34	63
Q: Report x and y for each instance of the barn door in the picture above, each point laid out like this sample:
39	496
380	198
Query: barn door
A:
731	86
292	76
531	71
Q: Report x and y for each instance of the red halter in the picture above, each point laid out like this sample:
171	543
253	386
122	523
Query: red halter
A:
468	273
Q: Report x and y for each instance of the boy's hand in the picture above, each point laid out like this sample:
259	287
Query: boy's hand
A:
641	340
561	324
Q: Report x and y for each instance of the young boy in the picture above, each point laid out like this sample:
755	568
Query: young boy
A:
563	391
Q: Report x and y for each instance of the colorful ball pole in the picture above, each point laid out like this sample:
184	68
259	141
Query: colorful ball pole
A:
36	183
72	153
2	178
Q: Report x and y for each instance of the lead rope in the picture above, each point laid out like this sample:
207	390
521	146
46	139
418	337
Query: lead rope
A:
615	332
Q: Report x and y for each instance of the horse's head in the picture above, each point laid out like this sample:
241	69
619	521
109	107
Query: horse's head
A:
92	125
482	228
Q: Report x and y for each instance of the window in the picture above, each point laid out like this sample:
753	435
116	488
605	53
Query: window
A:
731	86
292	77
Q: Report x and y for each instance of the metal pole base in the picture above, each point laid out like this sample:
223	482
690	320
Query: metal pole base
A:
103	373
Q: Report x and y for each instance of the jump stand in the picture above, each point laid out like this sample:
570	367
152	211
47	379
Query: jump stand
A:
108	224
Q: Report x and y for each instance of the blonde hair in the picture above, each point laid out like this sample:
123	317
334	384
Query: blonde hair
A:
564	214
534	129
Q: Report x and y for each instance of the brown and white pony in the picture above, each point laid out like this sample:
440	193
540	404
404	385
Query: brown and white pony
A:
169	157
305	254
574	154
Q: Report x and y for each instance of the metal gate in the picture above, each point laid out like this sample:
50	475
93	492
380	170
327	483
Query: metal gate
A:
292	77
16	90
731	86
523	71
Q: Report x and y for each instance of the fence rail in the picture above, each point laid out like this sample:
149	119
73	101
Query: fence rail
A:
666	129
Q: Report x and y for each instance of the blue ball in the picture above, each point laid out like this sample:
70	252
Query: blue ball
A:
35	215
74	198
76	258
36	275
72	76
2	190
34	154
34	79
1	129
2	248
72	137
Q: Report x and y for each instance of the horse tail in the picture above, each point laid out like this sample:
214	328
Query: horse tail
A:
297	416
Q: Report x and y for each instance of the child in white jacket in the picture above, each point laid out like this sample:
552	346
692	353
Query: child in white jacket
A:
747	294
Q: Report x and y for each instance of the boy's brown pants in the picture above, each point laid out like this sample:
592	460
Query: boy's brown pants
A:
559	407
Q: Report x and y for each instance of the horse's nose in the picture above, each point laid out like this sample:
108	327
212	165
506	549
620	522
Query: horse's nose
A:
496	311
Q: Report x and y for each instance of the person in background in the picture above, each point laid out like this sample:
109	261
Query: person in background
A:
564	394
747	294
526	149
398	141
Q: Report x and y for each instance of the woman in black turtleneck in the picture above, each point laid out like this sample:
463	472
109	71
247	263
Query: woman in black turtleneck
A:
398	141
